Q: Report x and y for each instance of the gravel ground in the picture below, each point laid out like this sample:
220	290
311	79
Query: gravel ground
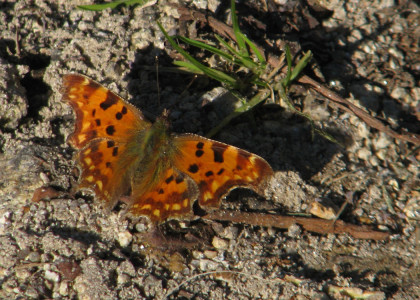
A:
57	243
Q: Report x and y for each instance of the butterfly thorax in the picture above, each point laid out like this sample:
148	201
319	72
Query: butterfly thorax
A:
154	150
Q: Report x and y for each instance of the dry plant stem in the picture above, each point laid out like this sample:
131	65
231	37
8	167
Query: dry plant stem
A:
310	224
226	31
349	107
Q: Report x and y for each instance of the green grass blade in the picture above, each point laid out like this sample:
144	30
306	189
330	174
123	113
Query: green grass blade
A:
301	65
254	49
209	48
191	68
114	4
286	81
242	60
239	38
229	47
215	74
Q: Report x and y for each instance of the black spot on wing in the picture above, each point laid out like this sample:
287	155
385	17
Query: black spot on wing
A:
200	145
169	179
118	116
98	122
110	100
220	171
179	179
110	144
218	150
93	112
110	130
124	110
161	191
199	153
209	173
115	151
193	168
108	164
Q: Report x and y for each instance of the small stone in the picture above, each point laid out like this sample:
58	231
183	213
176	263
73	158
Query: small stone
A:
294	231
219	243
22	274
398	93
394	184
363	154
382	142
210	254
123	279
127	267
230	233
31	293
208	265
197	254
34	257
124	238
52	276
80	287
381	154
322	211
141	227
63	289
374	161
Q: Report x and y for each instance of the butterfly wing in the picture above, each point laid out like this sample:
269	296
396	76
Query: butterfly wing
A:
104	134
171	196
99	112
217	167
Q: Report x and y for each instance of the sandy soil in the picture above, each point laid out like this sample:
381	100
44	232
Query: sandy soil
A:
58	243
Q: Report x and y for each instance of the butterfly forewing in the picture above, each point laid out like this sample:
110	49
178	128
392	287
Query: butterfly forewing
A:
99	112
105	123
217	168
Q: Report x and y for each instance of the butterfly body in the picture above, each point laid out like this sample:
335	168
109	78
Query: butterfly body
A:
120	153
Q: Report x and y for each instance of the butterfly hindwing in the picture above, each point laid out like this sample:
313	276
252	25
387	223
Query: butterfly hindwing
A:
172	196
217	167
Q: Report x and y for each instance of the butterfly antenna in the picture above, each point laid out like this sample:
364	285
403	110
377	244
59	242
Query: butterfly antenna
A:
157	77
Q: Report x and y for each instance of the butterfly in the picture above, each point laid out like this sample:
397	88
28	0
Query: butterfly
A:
159	174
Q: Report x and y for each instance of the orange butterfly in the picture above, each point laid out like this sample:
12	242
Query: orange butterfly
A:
121	153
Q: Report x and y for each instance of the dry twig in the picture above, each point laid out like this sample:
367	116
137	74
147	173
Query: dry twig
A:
310	224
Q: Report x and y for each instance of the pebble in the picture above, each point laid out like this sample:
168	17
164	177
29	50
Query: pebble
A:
364	154
207	265
141	227
210	254
22	274
52	276
63	289
197	254
382	142
219	243
124	238
294	231
34	257
123	279
381	154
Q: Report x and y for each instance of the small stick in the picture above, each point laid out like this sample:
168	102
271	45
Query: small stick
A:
310	224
